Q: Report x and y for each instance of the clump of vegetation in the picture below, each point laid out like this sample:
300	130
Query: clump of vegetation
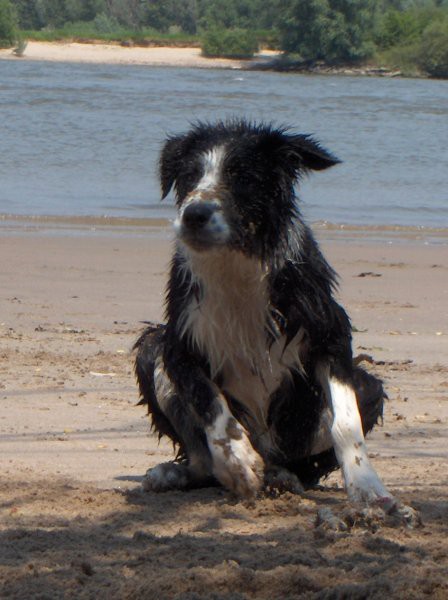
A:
334	31
20	48
230	43
433	54
8	24
103	23
405	35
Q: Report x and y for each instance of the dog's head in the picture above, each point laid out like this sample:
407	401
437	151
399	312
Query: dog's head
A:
234	183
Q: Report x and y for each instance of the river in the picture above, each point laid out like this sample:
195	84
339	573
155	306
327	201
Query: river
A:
80	139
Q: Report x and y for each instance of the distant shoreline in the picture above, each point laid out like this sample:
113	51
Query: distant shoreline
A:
176	56
116	54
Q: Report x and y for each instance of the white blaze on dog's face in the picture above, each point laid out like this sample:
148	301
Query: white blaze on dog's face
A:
234	186
201	223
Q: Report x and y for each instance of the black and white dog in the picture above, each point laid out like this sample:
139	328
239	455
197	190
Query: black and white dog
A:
252	375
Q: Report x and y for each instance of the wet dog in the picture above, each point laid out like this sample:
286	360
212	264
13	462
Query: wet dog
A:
252	374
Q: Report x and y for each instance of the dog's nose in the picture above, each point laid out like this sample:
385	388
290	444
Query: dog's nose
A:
198	214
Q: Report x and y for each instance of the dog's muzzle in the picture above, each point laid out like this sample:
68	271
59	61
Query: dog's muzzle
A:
202	225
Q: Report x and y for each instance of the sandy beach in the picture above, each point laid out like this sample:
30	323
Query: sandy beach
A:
121	55
73	445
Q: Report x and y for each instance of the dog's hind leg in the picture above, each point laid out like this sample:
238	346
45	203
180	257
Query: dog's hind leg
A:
169	417
194	469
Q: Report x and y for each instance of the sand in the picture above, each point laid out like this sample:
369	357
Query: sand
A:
134	55
73	445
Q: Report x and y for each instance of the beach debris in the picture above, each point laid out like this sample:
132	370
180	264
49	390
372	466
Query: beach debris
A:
427	418
72	330
368	274
399	417
363	357
326	519
87	568
97	374
19	50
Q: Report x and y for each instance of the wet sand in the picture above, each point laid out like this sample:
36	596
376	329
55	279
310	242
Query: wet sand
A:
73	445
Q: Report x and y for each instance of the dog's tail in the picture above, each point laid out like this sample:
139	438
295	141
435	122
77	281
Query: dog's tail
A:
370	396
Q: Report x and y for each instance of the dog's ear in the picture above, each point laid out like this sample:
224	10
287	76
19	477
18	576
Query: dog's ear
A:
170	161
304	154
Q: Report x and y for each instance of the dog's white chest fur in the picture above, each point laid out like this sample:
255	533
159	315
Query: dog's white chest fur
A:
229	325
227	321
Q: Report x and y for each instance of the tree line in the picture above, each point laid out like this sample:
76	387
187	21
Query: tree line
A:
331	31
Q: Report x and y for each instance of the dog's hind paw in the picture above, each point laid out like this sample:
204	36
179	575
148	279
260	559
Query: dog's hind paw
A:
235	463
166	476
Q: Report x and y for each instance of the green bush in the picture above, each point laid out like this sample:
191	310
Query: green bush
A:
403	28
229	43
433	54
8	24
401	58
334	31
397	28
105	24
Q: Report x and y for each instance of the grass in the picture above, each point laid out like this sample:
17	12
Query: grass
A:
400	58
85	32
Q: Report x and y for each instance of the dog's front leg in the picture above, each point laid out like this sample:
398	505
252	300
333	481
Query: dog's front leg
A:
235	463
361	480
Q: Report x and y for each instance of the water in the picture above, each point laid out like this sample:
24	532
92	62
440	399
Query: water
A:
84	139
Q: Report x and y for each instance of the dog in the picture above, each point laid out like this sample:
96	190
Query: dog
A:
252	375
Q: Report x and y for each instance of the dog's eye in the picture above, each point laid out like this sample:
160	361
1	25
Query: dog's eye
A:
231	172
190	178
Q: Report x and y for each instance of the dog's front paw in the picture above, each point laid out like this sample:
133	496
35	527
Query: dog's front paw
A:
235	463
282	480
365	488
372	495
401	514
166	476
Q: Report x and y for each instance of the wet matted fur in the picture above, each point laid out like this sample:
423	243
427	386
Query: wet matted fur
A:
252	374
